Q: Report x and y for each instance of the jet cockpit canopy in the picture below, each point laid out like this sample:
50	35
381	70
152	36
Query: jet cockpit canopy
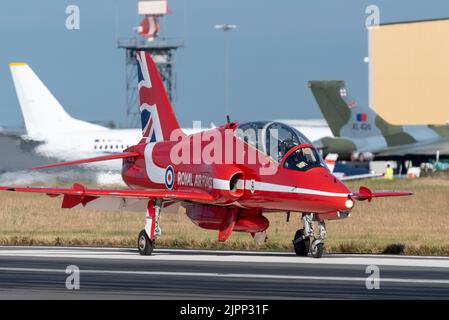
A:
272	138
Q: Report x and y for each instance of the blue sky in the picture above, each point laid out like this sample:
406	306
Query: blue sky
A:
277	47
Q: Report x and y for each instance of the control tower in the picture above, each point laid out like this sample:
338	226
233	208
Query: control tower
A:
159	48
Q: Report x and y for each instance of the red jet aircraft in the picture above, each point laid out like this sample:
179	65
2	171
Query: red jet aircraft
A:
225	178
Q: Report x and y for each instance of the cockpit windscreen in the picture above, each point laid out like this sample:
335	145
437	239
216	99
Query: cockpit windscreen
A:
273	138
303	159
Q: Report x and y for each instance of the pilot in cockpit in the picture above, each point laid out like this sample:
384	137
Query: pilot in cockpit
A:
303	159
285	146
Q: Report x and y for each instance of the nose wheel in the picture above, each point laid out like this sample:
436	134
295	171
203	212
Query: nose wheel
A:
317	250
301	243
306	241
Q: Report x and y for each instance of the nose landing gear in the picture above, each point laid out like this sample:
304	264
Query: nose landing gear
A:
306	241
301	243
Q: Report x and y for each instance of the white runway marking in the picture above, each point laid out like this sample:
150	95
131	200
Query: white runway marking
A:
229	275
223	256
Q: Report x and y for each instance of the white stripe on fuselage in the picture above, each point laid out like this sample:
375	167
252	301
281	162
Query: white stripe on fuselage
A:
271	187
222	184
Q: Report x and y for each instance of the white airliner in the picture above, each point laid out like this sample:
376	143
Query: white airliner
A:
67	138
62	136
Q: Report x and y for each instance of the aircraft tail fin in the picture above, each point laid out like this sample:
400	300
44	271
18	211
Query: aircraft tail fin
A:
157	116
344	115
43	114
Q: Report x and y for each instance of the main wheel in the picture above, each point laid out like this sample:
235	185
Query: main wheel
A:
317	251
300	244
144	244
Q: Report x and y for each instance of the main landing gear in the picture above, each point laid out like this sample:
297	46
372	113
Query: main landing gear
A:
305	240
148	236
144	244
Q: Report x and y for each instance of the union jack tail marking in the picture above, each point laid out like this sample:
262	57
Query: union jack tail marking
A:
157	117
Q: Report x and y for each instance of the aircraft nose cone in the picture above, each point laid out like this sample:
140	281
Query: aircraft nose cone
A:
344	203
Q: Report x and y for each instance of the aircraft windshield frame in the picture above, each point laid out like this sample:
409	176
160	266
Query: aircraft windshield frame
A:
262	133
303	158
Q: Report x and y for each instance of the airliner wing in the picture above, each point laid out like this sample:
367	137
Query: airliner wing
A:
112	199
11	133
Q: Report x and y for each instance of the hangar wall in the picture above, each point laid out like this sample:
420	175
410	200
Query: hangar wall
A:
409	71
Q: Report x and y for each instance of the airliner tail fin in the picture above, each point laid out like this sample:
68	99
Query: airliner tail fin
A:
43	114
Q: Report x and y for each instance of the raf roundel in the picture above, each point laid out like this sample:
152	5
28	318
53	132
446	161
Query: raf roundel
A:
169	177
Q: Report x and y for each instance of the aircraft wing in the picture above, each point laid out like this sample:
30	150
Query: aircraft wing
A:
113	156
418	148
112	199
365	193
11	133
361	176
331	160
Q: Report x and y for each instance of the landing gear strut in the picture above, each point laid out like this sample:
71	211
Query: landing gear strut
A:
148	236
306	241
317	248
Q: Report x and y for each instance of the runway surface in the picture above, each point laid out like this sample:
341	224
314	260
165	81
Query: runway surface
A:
106	273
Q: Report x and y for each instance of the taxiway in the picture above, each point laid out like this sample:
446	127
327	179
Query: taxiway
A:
109	273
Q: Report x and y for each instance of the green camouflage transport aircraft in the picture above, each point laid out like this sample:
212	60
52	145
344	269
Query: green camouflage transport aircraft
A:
361	134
